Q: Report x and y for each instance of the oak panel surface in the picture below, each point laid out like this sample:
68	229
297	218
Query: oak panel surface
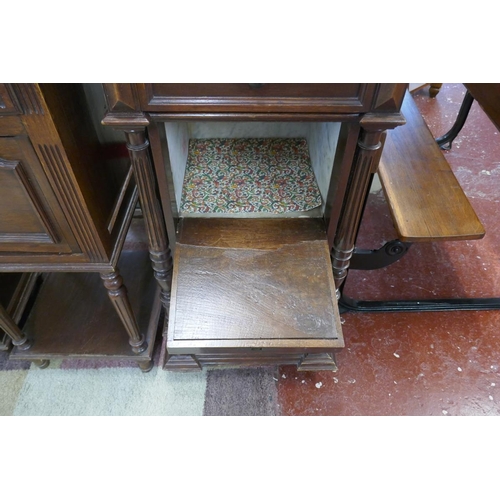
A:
255	282
30	217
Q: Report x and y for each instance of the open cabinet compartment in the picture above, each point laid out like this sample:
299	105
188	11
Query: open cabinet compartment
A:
256	169
252	277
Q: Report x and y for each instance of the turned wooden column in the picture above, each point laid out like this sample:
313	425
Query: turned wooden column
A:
117	292
385	115
364	166
159	251
124	113
19	339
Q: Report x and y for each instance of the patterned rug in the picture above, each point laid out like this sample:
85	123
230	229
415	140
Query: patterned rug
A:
249	175
103	388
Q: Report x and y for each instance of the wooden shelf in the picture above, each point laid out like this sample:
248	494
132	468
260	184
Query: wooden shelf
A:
253	285
73	316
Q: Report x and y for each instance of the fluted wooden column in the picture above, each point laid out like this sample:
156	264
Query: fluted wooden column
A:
117	292
364	165
159	250
19	339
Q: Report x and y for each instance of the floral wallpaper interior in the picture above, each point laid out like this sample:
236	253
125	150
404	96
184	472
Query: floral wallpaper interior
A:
249	175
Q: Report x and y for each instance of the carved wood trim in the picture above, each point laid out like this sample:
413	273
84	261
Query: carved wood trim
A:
373	122
252	117
28	96
121	97
126	121
159	251
50	236
117	292
365	162
358	103
8	101
55	163
389	97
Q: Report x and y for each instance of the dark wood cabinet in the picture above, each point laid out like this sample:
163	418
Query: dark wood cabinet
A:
67	197
252	288
31	220
256	97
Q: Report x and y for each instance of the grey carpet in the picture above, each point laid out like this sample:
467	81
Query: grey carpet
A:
242	392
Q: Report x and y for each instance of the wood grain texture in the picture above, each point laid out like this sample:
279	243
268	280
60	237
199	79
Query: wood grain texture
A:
364	165
30	216
254	283
271	97
10	126
424	196
8	102
344	157
257	234
59	212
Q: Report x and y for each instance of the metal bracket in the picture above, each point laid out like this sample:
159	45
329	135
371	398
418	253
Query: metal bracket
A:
391	252
347	304
367	260
445	140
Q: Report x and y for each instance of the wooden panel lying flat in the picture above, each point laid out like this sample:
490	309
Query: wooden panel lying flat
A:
74	317
253	282
424	196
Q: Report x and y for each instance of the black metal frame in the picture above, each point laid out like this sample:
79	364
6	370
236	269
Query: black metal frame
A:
389	253
446	140
394	250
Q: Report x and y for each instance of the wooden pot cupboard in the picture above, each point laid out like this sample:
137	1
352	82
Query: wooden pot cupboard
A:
251	195
243	284
66	202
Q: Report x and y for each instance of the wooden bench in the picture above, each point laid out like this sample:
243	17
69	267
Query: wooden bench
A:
426	202
424	196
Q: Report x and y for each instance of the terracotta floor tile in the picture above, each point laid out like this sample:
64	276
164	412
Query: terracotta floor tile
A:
421	363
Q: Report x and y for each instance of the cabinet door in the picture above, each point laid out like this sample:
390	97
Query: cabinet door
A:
31	220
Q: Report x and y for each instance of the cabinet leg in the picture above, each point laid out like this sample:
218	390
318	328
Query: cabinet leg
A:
145	366
434	89
365	165
19	339
159	250
318	362
41	363
182	363
162	266
119	297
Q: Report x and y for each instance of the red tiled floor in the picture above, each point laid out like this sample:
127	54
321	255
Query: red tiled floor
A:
421	363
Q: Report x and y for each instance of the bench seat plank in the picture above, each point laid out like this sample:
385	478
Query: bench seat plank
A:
426	201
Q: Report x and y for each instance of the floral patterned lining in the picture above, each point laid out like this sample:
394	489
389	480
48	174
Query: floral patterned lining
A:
249	175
